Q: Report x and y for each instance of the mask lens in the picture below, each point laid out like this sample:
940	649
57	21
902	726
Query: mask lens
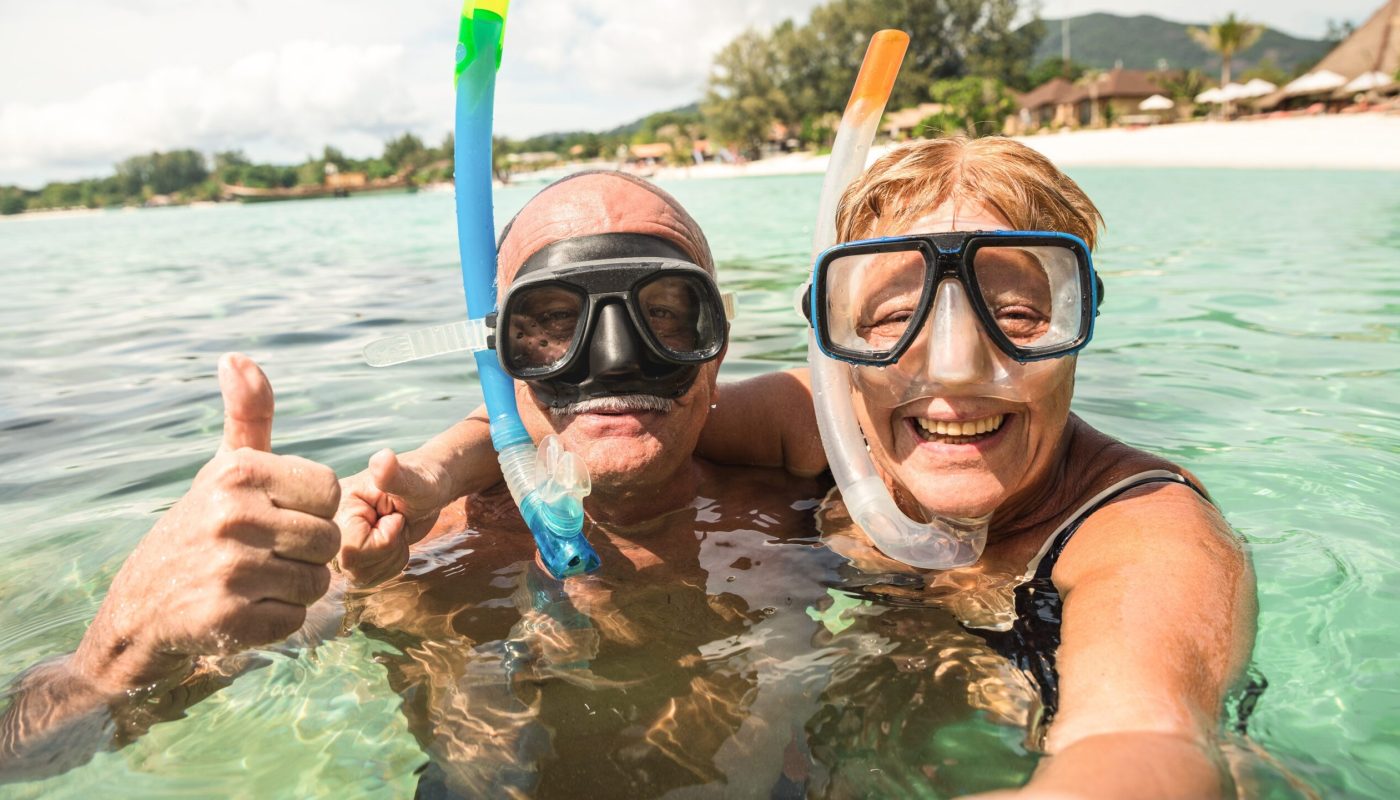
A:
677	311
543	323
1032	293
872	299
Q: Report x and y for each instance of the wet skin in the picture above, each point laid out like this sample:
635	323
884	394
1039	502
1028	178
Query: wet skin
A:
1158	594
610	684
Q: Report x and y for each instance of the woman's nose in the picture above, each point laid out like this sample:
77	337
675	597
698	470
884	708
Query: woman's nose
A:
956	349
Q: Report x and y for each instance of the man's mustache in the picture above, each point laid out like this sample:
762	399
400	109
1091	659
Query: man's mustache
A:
621	404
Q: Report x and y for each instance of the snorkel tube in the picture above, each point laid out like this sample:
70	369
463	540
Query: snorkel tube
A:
548	485
942	543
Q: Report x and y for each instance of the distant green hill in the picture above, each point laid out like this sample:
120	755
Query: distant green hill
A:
1102	40
637	124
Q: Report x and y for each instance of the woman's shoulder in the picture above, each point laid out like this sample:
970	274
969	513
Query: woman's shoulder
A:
1100	461
1148	525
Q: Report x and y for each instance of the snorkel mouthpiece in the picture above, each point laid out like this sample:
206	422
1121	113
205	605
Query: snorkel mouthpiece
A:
548	485
942	543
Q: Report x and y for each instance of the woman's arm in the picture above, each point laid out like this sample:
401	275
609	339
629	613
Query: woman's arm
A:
1159	620
767	421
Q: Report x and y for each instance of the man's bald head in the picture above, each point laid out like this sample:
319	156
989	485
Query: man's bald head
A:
598	201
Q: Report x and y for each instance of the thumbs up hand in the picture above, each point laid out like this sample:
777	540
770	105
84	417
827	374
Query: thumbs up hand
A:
232	565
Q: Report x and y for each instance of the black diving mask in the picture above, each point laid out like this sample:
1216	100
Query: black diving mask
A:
607	315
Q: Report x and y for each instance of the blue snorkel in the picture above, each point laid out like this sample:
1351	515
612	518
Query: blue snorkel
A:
548	485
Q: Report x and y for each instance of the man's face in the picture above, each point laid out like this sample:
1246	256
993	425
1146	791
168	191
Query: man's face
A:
626	441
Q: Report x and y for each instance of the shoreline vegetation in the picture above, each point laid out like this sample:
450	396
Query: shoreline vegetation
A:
770	108
1330	142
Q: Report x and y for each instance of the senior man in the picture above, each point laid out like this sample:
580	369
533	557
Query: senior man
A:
490	645
622	402
604	280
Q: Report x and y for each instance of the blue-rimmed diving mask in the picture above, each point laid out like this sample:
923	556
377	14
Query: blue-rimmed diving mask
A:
947	314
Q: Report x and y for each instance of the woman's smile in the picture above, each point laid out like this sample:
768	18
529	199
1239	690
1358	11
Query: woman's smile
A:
957	432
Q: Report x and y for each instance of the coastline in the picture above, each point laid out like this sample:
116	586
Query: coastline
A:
1328	142
1344	142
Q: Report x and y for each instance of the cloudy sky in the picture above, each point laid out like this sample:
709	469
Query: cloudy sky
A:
84	83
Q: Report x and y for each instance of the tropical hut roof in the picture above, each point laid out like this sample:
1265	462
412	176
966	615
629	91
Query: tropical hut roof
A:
906	118
651	150
1373	47
1120	83
1051	93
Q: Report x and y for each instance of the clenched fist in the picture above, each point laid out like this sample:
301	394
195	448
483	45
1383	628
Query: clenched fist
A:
232	565
391	505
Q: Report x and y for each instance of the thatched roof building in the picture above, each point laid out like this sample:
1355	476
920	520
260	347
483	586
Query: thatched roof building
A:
1373	47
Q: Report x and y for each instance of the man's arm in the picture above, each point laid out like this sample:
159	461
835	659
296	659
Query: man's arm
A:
234	564
766	421
1159	619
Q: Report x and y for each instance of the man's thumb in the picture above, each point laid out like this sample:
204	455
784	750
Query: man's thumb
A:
247	404
394	477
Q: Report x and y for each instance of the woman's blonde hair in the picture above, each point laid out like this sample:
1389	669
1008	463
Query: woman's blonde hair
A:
1001	174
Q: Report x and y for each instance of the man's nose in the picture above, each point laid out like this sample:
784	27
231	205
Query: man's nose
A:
957	350
615	349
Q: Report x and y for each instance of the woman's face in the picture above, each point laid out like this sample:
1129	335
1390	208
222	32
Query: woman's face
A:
975	441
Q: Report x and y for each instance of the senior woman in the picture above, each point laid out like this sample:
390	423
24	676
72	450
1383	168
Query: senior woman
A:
1128	599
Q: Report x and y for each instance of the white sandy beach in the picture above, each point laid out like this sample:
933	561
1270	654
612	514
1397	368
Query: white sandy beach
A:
1352	141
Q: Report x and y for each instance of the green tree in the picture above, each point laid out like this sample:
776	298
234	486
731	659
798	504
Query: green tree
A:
797	55
1227	37
333	155
230	165
404	151
311	173
13	200
973	106
1183	87
1051	68
743	100
1339	29
176	171
1267	69
808	69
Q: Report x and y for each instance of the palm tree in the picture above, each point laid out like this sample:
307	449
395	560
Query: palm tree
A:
1183	88
1228	37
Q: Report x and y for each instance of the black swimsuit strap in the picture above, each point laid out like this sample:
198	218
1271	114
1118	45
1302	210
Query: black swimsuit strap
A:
1057	547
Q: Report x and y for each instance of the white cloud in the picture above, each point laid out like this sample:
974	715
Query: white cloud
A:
277	104
216	76
281	79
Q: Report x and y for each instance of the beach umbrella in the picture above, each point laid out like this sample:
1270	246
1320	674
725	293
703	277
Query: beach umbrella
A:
1231	92
1259	87
1315	83
1211	96
1369	81
1156	103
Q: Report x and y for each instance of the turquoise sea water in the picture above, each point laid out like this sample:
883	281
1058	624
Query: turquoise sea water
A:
1251	332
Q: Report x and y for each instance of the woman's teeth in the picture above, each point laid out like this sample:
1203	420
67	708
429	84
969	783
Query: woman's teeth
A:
959	432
